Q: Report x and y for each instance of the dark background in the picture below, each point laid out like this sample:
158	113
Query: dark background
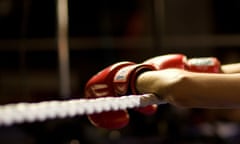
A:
102	32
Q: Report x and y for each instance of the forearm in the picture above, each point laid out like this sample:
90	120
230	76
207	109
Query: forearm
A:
195	90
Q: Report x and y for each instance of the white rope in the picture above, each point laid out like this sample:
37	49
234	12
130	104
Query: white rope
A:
30	112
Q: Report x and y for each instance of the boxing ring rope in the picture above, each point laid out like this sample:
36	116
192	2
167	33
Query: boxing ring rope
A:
32	112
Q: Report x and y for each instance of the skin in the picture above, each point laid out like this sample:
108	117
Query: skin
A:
231	68
194	90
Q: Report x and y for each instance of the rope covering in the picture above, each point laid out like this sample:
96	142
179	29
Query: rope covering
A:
32	112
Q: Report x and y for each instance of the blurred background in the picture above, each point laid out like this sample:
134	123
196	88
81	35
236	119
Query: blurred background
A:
50	48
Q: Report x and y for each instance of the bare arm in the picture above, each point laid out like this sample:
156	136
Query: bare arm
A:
194	90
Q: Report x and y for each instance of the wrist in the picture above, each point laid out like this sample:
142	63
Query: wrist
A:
162	83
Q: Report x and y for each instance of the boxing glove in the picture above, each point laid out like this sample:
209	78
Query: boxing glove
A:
207	65
117	80
201	64
168	61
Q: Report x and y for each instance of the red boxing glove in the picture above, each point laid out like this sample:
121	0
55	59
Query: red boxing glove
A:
207	65
168	61
115	80
202	64
119	79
